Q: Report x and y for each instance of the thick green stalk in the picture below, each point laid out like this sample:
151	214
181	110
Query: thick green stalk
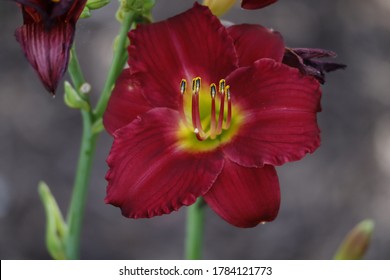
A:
118	62
194	233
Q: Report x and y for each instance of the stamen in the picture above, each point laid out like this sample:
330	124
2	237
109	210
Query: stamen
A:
229	109
216	126
213	121
196	121
221	106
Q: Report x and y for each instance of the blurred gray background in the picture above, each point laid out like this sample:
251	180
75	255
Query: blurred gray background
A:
323	196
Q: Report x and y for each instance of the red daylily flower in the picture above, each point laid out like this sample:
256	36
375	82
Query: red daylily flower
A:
205	110
256	4
46	36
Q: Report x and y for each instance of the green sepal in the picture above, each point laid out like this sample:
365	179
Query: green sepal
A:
73	99
356	242
97	126
56	228
86	13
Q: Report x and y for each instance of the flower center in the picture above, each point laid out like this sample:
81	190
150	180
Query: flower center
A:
208	117
218	118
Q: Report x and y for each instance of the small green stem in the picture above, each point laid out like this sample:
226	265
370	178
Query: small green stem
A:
74	69
88	141
194	233
80	188
118	62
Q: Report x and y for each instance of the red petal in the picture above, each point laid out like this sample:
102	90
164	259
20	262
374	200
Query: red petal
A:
256	4
244	196
125	104
47	50
279	106
149	174
254	42
186	46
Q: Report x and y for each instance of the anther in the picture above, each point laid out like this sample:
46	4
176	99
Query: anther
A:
193	85
183	85
197	85
228	92
222	86
183	117
213	90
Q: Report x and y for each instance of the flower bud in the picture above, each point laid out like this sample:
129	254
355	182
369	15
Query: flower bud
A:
219	7
97	4
73	99
56	228
356	243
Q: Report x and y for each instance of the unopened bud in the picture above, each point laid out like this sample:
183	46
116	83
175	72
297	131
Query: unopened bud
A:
142	8
97	4
73	99
219	7
356	243
56	228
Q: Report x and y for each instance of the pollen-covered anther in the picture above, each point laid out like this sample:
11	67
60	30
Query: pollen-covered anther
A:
220	116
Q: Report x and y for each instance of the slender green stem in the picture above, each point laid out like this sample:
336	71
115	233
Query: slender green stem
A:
194	234
74	69
80	188
88	141
118	62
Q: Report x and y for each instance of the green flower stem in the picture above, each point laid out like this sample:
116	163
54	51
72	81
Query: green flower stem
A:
74	69
194	234
118	62
89	137
80	188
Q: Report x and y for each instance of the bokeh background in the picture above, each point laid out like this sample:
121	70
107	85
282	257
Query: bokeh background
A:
323	196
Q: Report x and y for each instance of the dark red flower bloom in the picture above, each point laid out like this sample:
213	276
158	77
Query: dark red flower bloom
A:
205	110
256	4
308	62
46	36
